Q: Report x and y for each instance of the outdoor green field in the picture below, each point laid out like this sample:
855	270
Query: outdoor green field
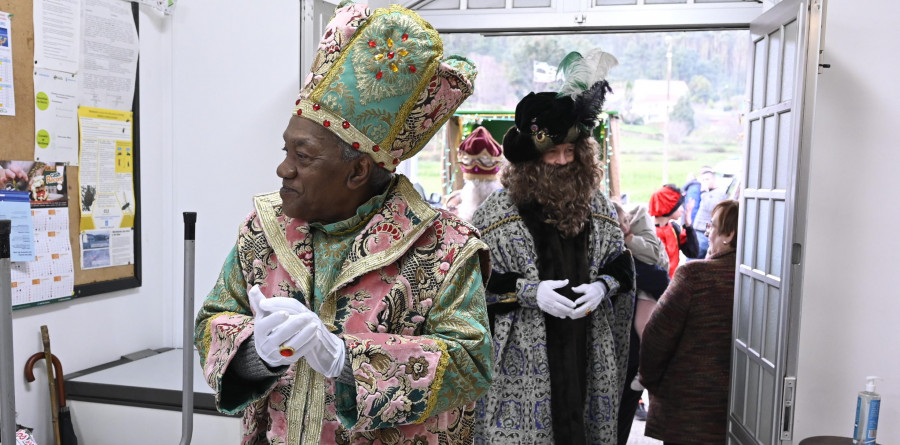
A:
641	160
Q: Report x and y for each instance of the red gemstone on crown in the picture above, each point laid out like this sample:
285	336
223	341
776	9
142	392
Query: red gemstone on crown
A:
390	55
298	102
375	148
316	107
299	112
396	161
404	37
345	124
326	123
355	145
371	44
378	75
381	164
412	69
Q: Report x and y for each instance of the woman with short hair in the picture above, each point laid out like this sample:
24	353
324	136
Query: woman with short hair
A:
686	346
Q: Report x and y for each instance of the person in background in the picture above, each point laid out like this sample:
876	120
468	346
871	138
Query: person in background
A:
667	207
651	265
686	347
693	189
561	290
350	311
712	195
480	158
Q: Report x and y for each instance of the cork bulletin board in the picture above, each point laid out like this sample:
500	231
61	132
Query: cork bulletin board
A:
17	141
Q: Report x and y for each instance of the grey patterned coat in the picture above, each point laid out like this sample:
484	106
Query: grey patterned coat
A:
516	409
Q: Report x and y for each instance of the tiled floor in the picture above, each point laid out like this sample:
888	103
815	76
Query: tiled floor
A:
637	436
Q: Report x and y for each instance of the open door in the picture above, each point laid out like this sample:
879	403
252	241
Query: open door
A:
785	44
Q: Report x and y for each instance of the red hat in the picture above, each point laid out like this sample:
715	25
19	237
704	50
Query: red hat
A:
666	200
480	155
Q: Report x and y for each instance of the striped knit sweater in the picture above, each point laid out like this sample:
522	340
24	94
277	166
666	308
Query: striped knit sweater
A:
686	353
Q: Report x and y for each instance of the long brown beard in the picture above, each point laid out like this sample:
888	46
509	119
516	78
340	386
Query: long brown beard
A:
563	191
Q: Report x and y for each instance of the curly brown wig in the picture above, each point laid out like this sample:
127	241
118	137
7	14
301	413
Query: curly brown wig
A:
563	191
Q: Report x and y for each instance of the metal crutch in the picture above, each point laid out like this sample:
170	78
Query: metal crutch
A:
187	382
7	382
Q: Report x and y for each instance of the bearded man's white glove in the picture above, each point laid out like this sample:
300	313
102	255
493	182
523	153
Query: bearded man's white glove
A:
287	330
594	293
551	301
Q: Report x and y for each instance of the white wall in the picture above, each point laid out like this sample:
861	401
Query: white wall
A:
236	75
218	81
849	321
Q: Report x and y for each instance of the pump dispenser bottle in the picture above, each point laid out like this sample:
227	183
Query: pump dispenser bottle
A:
867	406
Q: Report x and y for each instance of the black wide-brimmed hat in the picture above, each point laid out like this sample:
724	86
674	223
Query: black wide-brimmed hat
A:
547	119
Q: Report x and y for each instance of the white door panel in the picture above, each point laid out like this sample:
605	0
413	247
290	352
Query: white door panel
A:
772	222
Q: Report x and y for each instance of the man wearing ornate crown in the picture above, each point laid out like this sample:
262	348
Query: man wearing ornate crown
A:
480	157
350	311
561	292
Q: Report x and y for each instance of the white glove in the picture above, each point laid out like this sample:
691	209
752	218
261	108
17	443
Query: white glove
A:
593	296
325	352
552	302
284	324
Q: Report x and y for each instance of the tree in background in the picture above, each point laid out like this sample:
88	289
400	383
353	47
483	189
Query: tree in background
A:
683	112
701	90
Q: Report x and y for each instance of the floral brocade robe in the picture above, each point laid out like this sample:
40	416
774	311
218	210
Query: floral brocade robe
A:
516	409
409	304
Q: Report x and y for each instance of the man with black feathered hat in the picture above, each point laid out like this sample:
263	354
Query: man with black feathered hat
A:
560	294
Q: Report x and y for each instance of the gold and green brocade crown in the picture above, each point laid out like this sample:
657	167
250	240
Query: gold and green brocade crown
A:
379	82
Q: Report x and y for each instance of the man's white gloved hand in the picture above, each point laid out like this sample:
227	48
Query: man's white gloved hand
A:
552	302
265	306
593	296
287	330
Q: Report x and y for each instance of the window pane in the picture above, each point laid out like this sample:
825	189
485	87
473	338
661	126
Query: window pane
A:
791	35
486	4
531	3
442	4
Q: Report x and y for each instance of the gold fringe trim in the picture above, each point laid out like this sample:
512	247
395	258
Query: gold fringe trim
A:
437	383
503	221
265	207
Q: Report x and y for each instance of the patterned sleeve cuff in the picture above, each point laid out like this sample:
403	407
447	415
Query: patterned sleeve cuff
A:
612	285
527	292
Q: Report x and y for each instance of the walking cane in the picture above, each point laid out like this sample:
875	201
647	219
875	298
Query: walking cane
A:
187	383
51	382
7	383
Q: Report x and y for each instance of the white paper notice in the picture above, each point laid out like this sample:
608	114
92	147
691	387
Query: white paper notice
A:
109	55
106	248
106	169
55	117
7	92
57	30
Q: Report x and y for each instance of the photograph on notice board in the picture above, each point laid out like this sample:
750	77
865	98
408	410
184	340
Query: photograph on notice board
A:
106	248
44	182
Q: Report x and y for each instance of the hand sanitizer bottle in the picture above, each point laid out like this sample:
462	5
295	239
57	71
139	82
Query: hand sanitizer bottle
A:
867	406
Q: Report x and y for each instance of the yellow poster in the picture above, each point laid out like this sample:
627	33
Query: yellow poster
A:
106	169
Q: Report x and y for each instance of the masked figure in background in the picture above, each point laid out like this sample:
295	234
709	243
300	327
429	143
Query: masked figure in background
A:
561	292
480	157
350	311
